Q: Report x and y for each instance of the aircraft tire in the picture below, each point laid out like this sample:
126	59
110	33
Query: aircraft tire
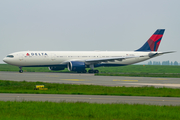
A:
90	71
85	71
20	71
96	71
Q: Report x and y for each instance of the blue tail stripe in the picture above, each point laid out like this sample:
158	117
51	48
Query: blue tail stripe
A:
159	32
145	47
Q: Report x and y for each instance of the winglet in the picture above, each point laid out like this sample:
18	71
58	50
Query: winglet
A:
153	42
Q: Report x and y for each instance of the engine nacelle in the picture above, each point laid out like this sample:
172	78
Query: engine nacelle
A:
76	66
56	68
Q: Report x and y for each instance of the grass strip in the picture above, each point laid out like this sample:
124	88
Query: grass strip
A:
7	67
140	69
56	88
28	110
130	70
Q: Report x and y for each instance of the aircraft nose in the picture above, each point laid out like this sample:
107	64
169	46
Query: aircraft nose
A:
5	60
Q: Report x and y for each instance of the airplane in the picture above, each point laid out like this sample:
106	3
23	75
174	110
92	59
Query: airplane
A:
78	61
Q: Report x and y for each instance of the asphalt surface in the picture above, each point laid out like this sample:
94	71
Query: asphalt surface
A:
73	78
90	79
91	99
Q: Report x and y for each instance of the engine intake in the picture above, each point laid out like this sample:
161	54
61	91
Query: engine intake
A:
76	66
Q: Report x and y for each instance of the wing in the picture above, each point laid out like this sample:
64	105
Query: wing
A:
107	59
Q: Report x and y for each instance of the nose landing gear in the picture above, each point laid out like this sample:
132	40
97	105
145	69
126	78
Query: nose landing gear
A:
20	71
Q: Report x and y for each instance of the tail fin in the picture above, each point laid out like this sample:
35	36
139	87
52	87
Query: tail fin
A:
153	42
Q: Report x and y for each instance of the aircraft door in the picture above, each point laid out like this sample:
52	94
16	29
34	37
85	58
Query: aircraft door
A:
21	58
53	56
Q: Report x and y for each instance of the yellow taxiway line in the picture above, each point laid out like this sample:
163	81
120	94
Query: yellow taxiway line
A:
127	80
74	79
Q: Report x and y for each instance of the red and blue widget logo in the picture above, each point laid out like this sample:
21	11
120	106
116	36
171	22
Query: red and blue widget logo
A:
153	42
27	54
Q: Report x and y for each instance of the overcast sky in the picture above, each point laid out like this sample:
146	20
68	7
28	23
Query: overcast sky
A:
88	25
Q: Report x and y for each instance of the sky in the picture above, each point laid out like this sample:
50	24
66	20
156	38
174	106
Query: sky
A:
88	25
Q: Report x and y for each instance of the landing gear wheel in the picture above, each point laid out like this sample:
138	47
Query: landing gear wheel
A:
96	71
90	71
85	71
20	71
93	71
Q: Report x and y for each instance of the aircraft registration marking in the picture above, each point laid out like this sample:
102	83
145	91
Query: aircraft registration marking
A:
127	80
74	79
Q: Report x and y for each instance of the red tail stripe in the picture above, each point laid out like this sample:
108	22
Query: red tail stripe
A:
155	37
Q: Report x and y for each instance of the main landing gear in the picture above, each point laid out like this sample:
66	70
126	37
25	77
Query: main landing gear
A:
20	71
93	71
89	71
84	71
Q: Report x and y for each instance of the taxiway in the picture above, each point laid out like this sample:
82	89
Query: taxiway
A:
90	79
91	99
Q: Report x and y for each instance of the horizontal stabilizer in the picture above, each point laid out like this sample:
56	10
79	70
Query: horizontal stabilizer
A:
161	53
154	54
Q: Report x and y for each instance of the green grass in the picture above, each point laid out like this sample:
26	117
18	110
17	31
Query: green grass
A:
7	67
140	69
130	70
74	111
55	88
171	75
81	111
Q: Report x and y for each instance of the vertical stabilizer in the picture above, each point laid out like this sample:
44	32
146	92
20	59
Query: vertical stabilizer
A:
153	42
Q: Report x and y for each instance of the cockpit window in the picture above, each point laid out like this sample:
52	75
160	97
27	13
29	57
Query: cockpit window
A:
11	56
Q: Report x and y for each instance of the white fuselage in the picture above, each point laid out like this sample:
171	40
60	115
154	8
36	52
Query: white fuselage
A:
47	58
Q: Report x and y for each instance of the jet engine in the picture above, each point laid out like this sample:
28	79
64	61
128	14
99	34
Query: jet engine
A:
76	66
